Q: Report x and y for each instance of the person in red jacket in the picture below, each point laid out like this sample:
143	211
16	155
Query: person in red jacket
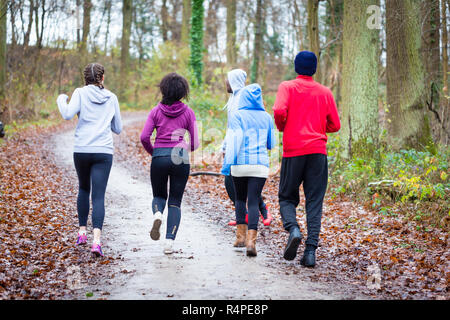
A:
305	111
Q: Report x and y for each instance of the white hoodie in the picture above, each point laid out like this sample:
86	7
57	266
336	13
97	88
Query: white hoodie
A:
98	114
236	78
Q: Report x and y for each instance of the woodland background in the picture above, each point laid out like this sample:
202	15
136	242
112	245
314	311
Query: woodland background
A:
386	62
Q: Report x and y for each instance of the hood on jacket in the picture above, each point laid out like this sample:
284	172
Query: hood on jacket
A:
97	95
251	98
237	78
174	110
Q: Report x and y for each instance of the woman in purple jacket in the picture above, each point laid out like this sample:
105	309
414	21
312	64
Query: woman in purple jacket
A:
170	154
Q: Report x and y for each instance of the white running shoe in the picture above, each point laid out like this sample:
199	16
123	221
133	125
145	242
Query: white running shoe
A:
157	221
168	247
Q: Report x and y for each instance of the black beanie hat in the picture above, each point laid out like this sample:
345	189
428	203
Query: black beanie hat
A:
306	63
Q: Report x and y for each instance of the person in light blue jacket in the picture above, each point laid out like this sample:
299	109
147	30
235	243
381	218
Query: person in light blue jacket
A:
235	82
98	115
249	136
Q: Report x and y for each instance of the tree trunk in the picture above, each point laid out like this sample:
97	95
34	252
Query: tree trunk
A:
359	115
432	60
127	16
39	32
175	25
26	38
445	104
77	15
297	17
333	58
430	38
231	33
408	123
164	21
108	5
445	46
257	46
211	25
186	21
313	33
87	6
3	18
36	18
196	43
12	14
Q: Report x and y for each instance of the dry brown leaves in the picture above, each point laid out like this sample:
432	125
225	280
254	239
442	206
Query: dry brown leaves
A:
355	241
38	220
412	264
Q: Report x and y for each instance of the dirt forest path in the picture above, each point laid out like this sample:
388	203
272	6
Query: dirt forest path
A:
204	266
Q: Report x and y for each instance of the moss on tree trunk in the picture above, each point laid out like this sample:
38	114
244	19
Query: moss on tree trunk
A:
360	129
408	125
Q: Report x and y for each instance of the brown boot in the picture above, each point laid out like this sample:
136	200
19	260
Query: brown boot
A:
251	243
241	232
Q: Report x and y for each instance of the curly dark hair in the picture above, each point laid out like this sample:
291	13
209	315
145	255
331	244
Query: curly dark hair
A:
93	74
173	88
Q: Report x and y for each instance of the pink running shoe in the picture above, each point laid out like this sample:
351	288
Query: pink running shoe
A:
81	239
97	249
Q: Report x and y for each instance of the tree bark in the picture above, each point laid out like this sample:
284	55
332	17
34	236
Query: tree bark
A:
164	21
408	123
313	33
211	25
257	44
3	48
26	38
108	5
430	38
127	16
39	33
231	33
359	133
87	6
297	17
333	48
430	12
174	24
12	14
444	46
186	21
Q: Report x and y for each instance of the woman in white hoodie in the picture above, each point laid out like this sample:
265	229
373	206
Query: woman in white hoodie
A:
98	115
235	83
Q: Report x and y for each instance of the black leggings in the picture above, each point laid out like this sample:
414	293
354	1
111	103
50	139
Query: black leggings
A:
92	169
162	169
248	188
229	186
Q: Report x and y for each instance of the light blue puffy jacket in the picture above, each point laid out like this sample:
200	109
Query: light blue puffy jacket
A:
250	132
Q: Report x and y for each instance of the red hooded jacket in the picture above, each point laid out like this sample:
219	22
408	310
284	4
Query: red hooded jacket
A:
305	111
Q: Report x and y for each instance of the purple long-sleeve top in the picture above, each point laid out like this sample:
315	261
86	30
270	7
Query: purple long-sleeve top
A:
171	123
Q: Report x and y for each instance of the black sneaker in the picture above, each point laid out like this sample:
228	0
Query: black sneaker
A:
295	237
309	259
